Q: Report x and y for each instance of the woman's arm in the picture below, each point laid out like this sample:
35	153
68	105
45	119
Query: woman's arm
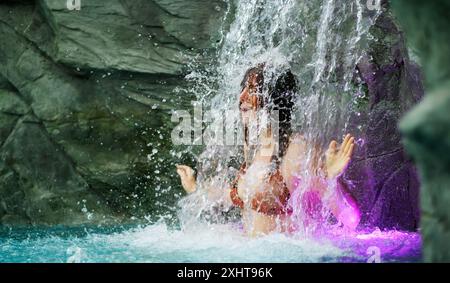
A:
336	198
344	207
293	161
340	202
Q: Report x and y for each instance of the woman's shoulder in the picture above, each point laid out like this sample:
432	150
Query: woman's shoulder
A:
297	147
297	139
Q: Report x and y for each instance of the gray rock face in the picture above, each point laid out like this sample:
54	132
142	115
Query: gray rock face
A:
85	96
152	37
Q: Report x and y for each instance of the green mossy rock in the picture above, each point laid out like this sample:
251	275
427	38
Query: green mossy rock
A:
85	97
426	129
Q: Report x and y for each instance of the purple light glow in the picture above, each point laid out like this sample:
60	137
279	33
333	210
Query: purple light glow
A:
393	246
360	245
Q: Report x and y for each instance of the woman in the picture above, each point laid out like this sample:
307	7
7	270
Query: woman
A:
269	175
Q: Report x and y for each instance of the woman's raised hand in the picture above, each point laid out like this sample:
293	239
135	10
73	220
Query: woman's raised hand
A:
187	178
338	157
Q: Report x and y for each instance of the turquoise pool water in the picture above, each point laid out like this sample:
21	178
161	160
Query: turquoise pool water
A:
209	243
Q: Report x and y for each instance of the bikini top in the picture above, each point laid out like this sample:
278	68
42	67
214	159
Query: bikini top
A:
272	202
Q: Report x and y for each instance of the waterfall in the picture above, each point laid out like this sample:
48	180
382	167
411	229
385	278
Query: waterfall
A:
323	33
320	41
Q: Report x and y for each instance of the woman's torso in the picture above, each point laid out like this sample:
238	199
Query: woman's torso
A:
256	179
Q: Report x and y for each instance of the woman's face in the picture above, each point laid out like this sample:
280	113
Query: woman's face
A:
249	106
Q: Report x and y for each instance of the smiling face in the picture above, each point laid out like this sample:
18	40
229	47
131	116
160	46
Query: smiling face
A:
250	106
250	100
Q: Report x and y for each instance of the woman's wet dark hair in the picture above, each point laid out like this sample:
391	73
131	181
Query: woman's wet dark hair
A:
281	90
281	98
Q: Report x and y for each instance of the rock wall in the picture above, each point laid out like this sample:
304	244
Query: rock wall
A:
85	100
382	177
426	129
366	97
85	97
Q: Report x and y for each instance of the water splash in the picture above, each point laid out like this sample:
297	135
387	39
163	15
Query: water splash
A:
321	42
199	243
323	34
75	254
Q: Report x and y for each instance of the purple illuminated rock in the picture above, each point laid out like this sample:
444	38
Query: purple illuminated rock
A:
382	177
